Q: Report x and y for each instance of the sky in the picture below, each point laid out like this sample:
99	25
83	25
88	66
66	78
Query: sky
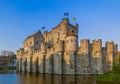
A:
97	19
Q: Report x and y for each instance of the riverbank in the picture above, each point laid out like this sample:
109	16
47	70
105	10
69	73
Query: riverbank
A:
112	77
8	68
109	78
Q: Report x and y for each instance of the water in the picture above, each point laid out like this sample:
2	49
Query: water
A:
27	78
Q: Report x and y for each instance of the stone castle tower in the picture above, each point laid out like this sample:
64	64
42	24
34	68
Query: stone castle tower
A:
58	52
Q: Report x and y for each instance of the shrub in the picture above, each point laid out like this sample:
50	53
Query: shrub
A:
116	69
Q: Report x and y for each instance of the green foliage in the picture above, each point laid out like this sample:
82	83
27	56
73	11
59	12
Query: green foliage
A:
118	59
111	77
116	69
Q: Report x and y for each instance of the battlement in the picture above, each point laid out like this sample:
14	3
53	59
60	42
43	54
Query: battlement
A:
96	45
57	52
84	47
95	59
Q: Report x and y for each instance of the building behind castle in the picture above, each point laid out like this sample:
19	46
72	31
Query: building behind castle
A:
58	52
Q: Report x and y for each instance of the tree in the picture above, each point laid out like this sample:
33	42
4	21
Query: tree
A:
118	57
7	53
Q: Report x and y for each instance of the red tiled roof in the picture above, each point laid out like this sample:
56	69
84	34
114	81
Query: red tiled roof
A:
71	33
118	52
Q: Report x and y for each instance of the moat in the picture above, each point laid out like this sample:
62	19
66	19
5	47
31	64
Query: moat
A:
27	78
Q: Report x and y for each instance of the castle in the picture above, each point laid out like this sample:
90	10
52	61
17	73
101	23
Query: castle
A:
58	52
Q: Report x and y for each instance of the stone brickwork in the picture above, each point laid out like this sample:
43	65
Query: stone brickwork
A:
104	59
115	56
96	57
58	52
57	63
109	55
83	58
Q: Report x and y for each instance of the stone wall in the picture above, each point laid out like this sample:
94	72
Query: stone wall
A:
69	63
57	63
58	53
90	58
109	55
96	57
49	61
83	58
104	59
115	56
71	44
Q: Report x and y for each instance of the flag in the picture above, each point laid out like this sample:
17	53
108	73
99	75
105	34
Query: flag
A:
74	19
66	14
43	27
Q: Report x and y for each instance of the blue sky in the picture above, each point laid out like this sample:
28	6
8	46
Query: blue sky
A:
97	19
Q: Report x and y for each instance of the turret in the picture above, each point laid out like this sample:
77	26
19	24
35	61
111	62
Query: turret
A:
96	57
71	42
64	26
96	48
84	47
109	55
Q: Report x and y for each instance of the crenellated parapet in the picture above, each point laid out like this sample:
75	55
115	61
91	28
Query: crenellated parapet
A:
58	52
83	57
91	57
110	47
109	55
95	59
96	48
84	47
20	52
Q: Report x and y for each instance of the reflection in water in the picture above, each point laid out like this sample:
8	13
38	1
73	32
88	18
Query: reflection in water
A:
56	79
27	78
7	71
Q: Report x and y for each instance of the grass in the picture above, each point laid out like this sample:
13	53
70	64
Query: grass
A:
112	77
7	68
109	78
